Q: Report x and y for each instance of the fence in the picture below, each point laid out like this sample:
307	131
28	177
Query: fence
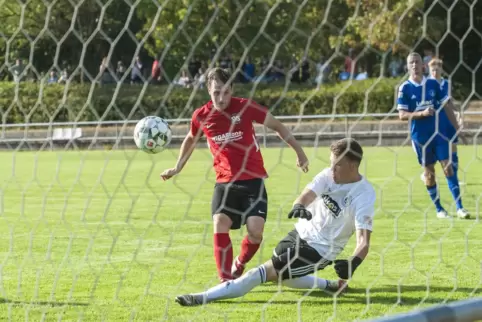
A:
371	129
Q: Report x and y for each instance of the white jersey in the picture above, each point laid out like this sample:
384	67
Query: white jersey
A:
338	211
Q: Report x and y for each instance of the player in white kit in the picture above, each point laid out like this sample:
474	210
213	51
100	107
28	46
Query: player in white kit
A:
338	203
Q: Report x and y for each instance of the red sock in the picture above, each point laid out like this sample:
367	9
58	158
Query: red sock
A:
248	249
223	253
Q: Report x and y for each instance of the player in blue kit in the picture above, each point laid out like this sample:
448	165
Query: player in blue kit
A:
421	101
446	128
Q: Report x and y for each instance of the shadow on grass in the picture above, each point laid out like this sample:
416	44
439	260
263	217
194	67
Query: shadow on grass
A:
42	303
385	294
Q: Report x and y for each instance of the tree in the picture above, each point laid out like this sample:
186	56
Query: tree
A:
54	34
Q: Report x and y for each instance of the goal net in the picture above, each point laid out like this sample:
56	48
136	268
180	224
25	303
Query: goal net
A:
90	232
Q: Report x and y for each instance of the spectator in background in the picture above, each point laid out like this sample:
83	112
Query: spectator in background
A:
200	78
17	71
395	67
156	71
344	75
278	71
64	77
362	74
194	66
52	77
266	75
137	72
249	71
350	62
184	79
294	71
105	76
226	63
120	70
305	70
323	70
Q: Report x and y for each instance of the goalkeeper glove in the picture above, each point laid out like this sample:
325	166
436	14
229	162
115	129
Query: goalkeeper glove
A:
299	211
345	268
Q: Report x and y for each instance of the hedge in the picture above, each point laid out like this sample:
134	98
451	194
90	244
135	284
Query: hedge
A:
31	102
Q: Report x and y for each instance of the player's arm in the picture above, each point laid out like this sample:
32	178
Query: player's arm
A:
364	212
345	268
309	194
403	108
362	243
272	123
187	147
449	109
417	115
299	205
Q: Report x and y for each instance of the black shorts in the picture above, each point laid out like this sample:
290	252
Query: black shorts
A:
293	257
240	200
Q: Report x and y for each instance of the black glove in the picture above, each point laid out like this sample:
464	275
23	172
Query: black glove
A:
299	211
345	268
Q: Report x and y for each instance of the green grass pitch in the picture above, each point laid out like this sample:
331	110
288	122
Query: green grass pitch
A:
97	236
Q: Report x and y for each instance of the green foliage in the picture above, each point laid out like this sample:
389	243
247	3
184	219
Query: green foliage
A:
30	102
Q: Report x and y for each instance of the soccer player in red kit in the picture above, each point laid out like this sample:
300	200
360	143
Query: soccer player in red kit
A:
239	197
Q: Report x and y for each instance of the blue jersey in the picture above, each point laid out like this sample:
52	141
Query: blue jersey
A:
413	97
447	130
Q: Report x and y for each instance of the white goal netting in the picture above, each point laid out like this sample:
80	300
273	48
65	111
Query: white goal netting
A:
90	232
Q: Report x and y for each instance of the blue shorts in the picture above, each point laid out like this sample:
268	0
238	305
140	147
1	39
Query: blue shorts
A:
435	150
449	134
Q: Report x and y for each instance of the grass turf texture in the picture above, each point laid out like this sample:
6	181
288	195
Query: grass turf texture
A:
96	235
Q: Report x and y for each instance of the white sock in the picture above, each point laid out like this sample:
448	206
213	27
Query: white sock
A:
306	282
236	288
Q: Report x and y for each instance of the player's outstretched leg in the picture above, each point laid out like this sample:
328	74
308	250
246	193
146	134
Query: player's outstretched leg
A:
223	250
432	190
313	282
227	290
249	245
244	284
454	187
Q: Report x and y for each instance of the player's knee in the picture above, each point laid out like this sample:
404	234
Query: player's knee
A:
271	273
447	168
255	228
281	266
429	173
222	223
449	171
430	179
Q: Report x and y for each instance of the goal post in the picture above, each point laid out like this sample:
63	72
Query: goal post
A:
460	311
89	232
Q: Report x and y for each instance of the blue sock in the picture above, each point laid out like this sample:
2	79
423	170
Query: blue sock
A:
433	193
453	182
455	162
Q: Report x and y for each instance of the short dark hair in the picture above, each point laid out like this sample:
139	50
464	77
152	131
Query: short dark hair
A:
220	74
349	148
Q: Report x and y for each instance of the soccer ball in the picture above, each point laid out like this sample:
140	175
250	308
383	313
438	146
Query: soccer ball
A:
152	134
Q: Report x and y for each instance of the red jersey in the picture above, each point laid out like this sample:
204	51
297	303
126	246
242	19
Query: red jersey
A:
156	69
231	138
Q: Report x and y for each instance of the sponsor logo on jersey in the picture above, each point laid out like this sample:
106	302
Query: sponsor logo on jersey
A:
424	104
332	205
235	119
228	137
347	201
431	93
